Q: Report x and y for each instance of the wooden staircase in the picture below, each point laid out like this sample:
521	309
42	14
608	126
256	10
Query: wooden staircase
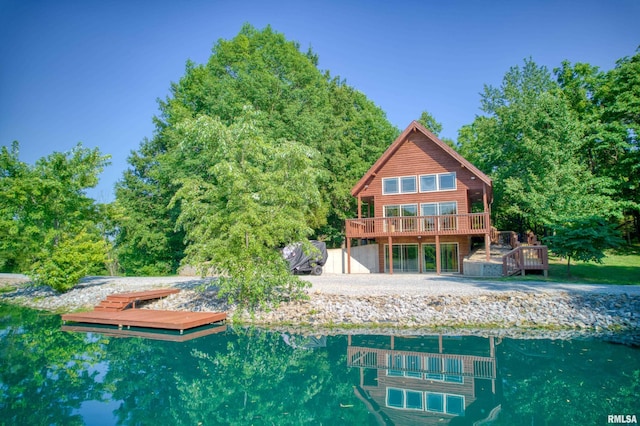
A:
122	301
526	258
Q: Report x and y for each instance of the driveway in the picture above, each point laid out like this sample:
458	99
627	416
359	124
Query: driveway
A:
414	284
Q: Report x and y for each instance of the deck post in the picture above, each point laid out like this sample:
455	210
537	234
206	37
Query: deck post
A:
492	354
438	269
390	255
487	246
348	255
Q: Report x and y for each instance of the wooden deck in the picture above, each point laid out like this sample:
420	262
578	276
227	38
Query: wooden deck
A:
166	335
455	224
122	301
113	311
148	318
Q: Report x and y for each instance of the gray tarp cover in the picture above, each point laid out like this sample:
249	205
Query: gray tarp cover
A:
300	262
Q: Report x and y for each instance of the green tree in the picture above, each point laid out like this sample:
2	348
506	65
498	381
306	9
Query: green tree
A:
529	143
47	221
606	104
584	240
435	127
429	121
256	196
296	101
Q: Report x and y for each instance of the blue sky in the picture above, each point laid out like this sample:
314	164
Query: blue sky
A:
91	71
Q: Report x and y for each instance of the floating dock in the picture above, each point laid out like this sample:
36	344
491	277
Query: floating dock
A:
114	311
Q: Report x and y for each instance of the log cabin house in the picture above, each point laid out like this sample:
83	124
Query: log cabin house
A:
422	203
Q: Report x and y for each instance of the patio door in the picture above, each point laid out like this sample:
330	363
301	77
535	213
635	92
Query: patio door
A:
405	258
449	261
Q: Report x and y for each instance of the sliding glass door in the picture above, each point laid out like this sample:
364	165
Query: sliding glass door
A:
448	257
405	258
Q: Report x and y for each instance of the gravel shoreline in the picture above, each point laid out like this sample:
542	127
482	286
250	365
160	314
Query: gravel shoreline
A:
382	303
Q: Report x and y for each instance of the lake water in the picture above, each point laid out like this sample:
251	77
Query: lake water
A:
257	377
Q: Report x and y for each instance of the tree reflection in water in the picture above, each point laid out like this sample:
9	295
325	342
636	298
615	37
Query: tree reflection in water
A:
251	376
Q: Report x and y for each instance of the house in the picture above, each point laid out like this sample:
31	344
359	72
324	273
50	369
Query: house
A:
427	380
422	203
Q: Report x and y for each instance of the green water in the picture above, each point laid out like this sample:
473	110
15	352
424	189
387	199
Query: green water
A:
256	377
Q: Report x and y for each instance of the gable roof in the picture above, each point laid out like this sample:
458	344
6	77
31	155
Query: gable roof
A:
393	148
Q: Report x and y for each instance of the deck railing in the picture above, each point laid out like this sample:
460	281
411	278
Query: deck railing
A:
418	362
455	224
504	238
526	258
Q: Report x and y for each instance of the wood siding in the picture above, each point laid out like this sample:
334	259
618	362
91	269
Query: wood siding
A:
420	156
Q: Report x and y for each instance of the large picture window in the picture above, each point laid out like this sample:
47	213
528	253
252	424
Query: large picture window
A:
438	182
404	398
399	185
445	403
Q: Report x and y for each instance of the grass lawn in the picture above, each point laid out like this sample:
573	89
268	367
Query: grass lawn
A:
619	267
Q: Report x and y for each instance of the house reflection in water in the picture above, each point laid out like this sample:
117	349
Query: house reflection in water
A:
427	379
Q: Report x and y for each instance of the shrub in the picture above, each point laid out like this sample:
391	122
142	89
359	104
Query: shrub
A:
62	265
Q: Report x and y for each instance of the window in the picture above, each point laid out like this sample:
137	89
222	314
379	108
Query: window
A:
445	403
390	186
395	398
399	185
395	366
455	405
414	400
404	398
428	183
404	365
408	211
408	184
434	366
429	210
444	369
391	211
446	181
448	257
413	366
435	402
438	182
405	258
453	366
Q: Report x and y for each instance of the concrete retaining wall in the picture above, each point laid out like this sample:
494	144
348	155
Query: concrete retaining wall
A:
364	260
482	269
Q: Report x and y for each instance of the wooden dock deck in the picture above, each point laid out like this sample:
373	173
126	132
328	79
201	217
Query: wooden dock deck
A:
113	311
148	318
